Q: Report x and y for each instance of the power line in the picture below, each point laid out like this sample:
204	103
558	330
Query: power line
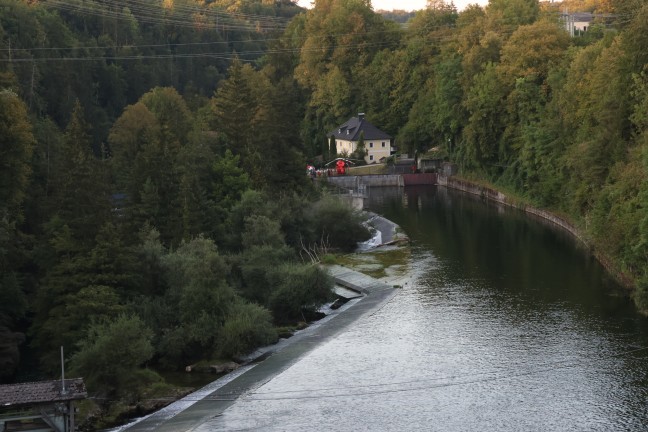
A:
371	388
547	367
438	38
152	14
299	49
213	55
191	44
155	10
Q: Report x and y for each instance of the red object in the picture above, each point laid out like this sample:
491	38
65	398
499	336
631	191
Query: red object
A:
340	167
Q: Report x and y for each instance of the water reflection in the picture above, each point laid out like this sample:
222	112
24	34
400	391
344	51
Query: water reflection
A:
508	326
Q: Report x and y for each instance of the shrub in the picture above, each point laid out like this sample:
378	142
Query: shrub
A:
329	259
337	223
256	264
299	289
110	356
248	326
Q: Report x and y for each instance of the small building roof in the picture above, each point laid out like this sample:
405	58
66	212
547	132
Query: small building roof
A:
41	392
351	130
582	17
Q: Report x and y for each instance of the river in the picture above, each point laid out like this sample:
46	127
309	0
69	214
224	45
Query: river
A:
505	324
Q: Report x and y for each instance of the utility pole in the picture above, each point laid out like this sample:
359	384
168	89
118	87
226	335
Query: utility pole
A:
31	89
571	25
63	391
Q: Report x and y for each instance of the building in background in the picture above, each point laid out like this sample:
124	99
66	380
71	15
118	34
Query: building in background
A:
378	144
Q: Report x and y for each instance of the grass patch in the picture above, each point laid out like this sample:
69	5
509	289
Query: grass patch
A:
329	259
372	169
285	331
159	390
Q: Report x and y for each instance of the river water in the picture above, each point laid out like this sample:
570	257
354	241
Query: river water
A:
503	324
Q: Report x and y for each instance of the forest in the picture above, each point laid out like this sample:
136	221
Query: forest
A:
153	198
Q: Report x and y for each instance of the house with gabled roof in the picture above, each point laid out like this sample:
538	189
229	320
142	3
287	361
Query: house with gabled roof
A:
378	144
42	406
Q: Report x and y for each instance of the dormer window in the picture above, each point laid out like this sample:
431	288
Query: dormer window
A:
348	131
340	130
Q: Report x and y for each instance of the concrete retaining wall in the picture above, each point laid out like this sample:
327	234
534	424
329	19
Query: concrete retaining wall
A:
356	182
352	182
419	179
499	197
354	201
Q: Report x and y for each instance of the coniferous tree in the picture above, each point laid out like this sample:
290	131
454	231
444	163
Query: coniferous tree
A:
81	196
16	146
234	107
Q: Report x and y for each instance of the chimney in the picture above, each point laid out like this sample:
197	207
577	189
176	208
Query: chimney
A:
360	116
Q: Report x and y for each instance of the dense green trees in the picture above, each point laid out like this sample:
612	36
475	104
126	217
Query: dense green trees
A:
153	200
16	147
509	95
339	39
153	157
110	357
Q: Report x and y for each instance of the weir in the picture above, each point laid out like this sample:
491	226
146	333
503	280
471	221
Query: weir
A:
201	406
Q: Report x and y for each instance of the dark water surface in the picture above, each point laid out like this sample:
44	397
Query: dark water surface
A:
503	324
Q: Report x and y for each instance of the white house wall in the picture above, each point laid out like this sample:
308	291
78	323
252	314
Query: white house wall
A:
342	146
376	149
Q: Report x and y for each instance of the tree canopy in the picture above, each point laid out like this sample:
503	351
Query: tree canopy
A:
153	155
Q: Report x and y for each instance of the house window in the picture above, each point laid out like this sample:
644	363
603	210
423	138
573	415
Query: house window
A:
383	143
370	157
371	145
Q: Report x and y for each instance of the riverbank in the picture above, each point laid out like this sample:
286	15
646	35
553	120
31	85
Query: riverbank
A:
492	194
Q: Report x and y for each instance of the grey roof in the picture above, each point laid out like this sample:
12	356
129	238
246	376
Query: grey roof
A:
41	392
582	17
354	126
585	16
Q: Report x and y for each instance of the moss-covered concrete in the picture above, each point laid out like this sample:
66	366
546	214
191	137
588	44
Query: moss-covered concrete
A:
379	263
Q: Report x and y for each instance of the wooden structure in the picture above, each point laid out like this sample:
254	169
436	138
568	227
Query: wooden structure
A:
43	406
